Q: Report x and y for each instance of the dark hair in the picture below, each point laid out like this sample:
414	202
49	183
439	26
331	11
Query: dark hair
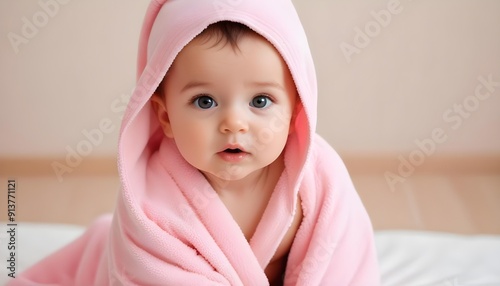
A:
225	32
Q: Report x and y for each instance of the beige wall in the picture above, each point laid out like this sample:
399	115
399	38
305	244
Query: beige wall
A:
377	95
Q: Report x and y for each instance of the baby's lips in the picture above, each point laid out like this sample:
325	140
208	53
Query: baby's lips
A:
234	146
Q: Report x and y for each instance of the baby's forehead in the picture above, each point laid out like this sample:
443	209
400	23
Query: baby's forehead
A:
214	62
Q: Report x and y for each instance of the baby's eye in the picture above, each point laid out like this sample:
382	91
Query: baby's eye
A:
204	102
261	101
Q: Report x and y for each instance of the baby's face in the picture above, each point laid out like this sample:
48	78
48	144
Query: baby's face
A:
229	111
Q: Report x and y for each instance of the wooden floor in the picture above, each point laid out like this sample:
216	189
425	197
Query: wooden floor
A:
467	204
460	202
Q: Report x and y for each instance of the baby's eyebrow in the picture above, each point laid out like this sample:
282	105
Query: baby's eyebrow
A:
259	84
193	84
267	84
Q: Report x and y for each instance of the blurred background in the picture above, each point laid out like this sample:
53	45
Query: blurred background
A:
409	95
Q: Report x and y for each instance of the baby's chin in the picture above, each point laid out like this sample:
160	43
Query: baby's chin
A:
232	174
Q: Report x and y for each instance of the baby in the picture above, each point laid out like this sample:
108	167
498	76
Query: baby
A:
224	179
219	96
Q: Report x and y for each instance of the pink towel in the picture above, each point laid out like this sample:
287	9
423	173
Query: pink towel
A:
171	228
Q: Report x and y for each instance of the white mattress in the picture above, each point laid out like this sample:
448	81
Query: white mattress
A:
439	259
406	258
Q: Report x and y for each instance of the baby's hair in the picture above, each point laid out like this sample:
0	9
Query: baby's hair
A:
225	32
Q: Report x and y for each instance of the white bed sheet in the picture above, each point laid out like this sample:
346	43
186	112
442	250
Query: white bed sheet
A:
416	258
406	258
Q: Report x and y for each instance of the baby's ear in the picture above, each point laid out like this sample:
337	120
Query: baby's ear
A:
296	110
159	108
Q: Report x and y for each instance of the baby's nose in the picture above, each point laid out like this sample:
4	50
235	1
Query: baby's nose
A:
234	121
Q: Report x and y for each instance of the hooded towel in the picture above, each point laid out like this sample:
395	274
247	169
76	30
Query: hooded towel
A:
171	228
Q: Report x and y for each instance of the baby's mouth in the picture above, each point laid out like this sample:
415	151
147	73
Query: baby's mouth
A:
233	151
233	155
